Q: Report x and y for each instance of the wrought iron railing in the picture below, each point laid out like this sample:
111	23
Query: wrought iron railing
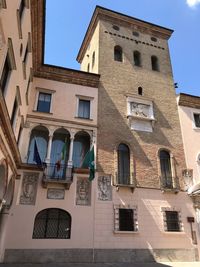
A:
169	182
125	179
57	172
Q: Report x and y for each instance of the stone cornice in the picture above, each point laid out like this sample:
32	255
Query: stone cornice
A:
48	71
189	101
101	13
61	121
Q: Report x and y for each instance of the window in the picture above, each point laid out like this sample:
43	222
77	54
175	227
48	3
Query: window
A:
172	221
52	223
118	53
5	74
21	8
115	27
154	39
197	120
137	58
125	218
44	102
140	91
136	34
123	175
166	173
84	109
3	4
14	112
93	59
88	67
154	63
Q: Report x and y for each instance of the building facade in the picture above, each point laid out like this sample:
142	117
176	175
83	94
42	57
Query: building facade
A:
189	112
136	208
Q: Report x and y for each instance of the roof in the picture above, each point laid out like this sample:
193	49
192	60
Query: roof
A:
121	19
51	72
187	100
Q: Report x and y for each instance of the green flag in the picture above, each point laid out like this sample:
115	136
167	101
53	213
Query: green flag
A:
88	162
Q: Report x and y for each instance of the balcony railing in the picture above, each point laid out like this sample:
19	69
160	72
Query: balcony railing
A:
125	180
169	183
54	173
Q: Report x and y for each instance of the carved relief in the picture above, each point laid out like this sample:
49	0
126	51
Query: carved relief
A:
188	178
138	109
54	193
29	188
83	192
104	188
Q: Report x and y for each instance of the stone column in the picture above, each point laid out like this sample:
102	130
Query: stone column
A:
71	147
49	148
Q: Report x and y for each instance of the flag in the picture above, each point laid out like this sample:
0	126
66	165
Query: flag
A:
62	156
88	162
36	155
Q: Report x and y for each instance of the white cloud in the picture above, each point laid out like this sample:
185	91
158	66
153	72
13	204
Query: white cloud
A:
193	3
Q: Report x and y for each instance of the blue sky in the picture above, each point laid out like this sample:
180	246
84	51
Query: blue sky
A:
67	22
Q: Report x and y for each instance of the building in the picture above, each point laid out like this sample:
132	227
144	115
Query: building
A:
189	113
137	207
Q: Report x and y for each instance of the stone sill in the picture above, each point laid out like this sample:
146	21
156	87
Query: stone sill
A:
126	232
174	233
141	118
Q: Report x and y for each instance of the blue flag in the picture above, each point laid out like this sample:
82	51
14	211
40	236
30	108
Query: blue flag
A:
36	155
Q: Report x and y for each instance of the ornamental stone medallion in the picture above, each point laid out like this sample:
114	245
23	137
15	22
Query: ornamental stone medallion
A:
83	192
54	193
29	188
104	188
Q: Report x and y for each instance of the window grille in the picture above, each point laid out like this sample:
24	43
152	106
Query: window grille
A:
166	173
172	221
52	223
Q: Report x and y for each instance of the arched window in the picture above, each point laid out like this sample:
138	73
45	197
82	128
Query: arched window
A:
123	154
81	147
93	59
118	53
40	135
52	223
137	58
154	63
165	166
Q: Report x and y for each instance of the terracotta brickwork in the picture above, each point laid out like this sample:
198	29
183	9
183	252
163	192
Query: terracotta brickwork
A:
119	79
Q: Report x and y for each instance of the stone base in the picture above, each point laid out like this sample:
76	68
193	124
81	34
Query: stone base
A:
99	255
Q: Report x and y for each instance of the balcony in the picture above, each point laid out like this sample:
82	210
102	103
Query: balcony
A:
54	173
169	184
125	180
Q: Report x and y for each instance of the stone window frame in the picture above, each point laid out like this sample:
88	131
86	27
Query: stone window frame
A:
16	108
87	98
11	62
181	228
133	182
3	4
45	91
175	182
19	19
195	111
116	218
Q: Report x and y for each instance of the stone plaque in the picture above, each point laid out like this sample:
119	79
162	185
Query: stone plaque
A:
104	188
188	178
29	188
83	192
55	193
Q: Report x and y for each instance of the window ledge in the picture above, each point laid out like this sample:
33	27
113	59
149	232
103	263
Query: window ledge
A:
126	232
125	185
196	128
141	118
81	118
170	190
173	232
42	112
